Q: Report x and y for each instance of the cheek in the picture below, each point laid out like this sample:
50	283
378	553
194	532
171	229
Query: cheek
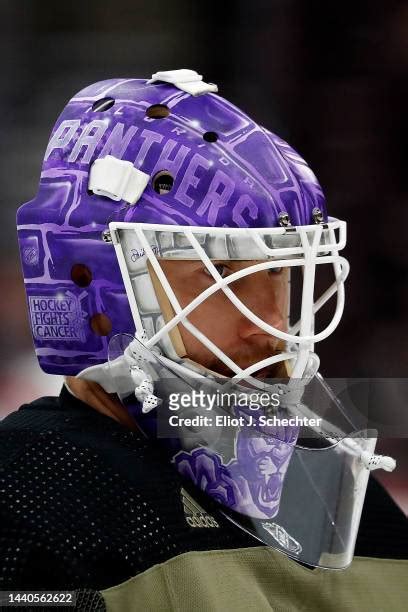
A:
216	316
282	298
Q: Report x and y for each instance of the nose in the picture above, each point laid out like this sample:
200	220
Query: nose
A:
267	297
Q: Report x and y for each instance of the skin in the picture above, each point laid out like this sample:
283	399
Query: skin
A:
95	396
265	293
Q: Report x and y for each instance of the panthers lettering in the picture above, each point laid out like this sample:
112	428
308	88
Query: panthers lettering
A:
171	156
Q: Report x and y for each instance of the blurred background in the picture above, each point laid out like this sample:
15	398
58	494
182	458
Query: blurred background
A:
331	78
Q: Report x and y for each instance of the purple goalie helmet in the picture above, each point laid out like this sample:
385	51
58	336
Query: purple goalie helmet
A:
206	164
140	171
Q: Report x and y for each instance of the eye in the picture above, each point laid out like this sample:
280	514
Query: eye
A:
274	271
221	269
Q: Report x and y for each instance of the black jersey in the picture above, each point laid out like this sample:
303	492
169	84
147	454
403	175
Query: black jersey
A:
88	505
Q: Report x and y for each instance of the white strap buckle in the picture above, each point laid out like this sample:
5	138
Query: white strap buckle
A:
185	79
117	179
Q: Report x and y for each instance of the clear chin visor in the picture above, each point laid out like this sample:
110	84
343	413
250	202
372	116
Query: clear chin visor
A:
284	461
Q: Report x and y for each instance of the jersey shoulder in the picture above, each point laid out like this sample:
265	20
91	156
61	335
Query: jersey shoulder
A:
23	426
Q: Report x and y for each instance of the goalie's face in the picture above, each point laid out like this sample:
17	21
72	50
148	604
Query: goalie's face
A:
265	293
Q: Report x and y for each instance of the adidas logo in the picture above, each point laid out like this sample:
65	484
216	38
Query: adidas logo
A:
195	515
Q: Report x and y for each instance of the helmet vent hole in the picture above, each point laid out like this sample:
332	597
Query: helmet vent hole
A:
210	136
103	105
101	324
163	182
81	275
158	111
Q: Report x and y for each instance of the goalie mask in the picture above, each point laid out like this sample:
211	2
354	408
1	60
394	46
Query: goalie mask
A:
145	181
